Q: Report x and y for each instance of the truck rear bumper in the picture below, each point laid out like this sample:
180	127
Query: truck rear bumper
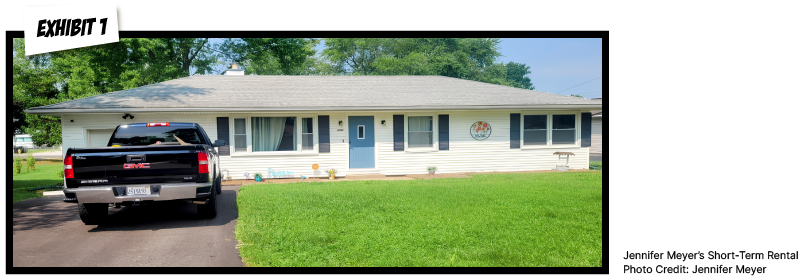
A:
168	191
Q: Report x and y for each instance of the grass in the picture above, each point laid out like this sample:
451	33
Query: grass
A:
42	151
596	165
44	175
32	151
515	219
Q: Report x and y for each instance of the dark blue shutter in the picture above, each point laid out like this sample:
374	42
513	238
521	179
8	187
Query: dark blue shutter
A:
223	133
324	134
515	131
399	137
586	129
444	132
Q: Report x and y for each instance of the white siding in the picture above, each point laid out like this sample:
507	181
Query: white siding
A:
597	135
465	154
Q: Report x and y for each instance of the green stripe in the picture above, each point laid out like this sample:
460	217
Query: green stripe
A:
462	20
463	14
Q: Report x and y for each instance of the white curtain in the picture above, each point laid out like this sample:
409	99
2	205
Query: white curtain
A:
267	133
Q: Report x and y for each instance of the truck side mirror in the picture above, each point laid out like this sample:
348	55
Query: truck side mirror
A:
219	143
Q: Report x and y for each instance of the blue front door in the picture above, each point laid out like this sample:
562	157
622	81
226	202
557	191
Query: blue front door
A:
362	141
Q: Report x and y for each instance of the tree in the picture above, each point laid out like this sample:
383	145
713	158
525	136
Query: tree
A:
46	79
272	56
465	58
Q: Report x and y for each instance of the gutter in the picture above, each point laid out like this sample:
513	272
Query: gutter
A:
293	109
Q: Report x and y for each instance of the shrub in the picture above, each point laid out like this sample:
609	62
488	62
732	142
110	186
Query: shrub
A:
17	165
31	163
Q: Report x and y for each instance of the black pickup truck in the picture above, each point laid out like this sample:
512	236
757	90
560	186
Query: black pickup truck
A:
144	163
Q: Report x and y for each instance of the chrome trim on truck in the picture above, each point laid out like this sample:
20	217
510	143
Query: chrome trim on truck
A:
105	194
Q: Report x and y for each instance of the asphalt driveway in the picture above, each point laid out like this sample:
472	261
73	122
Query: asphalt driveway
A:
48	232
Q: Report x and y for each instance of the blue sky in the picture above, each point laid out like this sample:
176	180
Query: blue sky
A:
557	65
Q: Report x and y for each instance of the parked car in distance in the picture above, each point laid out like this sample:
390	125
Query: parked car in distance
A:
144	163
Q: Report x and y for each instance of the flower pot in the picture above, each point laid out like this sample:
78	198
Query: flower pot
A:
333	176
258	179
431	172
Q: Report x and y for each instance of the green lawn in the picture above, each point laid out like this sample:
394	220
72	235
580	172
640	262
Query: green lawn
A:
42	151
44	175
515	219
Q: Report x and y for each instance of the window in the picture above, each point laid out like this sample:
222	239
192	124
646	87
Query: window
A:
534	130
143	136
361	132
257	134
308	134
546	130
273	134
420	131
563	129
240	135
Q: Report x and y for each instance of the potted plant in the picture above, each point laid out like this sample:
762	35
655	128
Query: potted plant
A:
432	170
258	177
332	173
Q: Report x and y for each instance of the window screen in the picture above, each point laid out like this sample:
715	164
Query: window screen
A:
534	130
563	129
240	135
420	131
308	134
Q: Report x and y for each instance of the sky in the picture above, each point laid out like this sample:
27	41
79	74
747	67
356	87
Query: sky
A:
557	65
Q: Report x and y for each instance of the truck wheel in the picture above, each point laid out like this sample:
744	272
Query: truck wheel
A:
218	182
93	213
208	210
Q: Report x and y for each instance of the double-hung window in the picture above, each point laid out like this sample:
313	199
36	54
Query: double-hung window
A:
420	132
549	129
258	134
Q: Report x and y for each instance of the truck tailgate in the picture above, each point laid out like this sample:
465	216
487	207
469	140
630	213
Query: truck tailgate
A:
135	165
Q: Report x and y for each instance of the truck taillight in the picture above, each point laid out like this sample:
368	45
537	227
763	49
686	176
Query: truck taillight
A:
157	124
68	168
202	162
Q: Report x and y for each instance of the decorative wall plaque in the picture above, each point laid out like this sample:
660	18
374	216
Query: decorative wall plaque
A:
480	130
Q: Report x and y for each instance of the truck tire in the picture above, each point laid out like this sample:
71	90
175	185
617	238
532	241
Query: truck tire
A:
208	210
218	183
93	213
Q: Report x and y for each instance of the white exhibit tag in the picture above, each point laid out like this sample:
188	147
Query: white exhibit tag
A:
55	28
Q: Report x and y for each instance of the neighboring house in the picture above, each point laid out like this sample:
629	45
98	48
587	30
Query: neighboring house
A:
597	132
391	125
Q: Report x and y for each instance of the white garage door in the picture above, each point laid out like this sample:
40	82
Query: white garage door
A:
99	137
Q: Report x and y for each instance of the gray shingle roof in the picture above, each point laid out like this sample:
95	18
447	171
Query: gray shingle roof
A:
291	92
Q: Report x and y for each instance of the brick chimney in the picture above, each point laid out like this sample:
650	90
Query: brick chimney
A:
234	70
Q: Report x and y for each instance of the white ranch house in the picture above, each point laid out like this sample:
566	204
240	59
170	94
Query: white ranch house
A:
391	125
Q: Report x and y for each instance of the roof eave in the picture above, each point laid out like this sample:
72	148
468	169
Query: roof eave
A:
60	111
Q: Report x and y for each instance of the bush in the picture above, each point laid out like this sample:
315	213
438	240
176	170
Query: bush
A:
596	165
31	163
17	165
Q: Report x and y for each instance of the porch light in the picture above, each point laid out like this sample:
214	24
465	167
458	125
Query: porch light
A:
340	123
383	122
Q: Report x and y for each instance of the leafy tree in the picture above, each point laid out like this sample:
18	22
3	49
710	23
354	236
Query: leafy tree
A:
46	79
575	95
465	58
272	56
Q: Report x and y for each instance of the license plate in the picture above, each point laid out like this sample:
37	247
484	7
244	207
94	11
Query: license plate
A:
139	190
